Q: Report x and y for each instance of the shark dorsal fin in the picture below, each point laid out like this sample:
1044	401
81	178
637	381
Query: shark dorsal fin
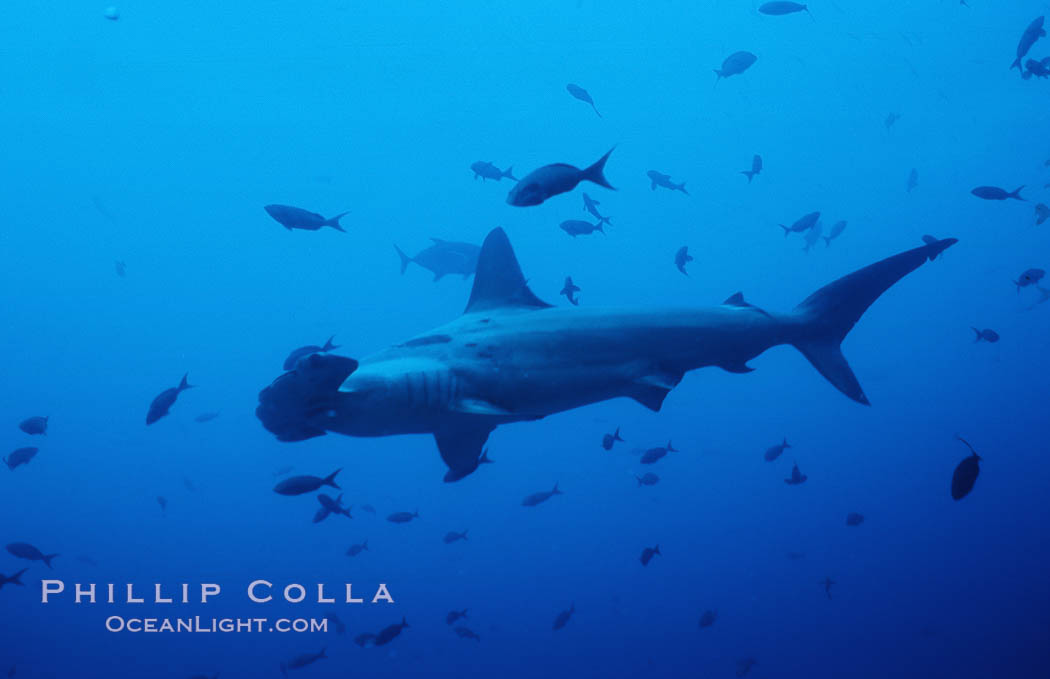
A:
736	299
499	283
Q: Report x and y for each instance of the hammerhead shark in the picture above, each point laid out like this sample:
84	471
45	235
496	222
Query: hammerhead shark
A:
512	357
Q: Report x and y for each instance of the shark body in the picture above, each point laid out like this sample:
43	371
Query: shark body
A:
512	357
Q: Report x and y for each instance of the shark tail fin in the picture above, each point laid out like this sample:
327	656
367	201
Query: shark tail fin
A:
596	172
830	313
405	259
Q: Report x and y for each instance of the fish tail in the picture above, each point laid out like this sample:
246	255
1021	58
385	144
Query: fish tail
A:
364	545
670	448
330	479
595	109
749	174
596	172
47	559
1017	65
321	654
787	231
681	187
600	226
639	479
334	221
978	333
828	241
404	622
405	259
183	385
616	435
830	313
509	173
1016	193
556	491
785	443
328	346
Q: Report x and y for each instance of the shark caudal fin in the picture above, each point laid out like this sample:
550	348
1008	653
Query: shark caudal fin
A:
831	312
498	281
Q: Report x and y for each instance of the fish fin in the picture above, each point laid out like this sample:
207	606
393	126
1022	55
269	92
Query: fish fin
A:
405	259
831	312
509	173
461	450
330	479
681	187
596	172
334	221
736	299
328	346
47	559
649	395
184	384
1016	194
498	281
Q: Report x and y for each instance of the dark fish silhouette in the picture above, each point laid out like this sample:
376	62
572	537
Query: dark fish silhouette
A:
803	223
744	665
681	258
812	237
20	456
121	268
403	517
206	417
466	633
387	634
300	661
756	168
774	452
354	550
1038	69
297	485
647	479
590	205
569	290
34	425
664	180
453	536
293	358
654	454
453	616
648	553
827	582
578	227
297	218
444	257
609	439
836	231
330	506
487	170
913	179
797	477
735	64
1029	277
708	618
163	502
340	628
891	120
988	335
30	553
996	193
582	95
1042	212
1031	34
369	508
165	400
780	9
563	617
965	474
551	180
542	496
12	580
854	519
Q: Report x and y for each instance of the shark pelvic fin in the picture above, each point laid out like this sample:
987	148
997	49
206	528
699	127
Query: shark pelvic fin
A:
499	283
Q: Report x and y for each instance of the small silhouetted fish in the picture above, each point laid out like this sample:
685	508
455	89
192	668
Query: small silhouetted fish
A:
111	13
569	290
681	258
26	551
206	417
309	349
756	168
648	553
836	231
369	508
188	484
965	474
163	502
590	205
996	193
651	455
797	477
648	479
1039	69
12	580
562	618
609	439
735	64
776	451
487	170
891	119
453	536
363	639
20	456
354	550
987	335
542	496
1031	34
297	485
582	95
744	665
465	633
287	469
444	257
297	218
578	227
453	616
913	179
812	237
803	223
1042	212
1029	277
34	425
780	8
340	628
165	400
664	180
708	618
300	661
387	634
121	268
854	519
551	180
402	517
330	506
827	582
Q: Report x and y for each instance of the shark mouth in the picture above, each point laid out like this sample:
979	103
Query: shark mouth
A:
295	406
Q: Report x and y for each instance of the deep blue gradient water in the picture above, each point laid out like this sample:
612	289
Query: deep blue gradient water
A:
156	140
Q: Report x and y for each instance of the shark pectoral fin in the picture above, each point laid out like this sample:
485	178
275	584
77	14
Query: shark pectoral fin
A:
461	449
650	396
475	406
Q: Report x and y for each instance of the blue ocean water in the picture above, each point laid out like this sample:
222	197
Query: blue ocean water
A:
156	139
